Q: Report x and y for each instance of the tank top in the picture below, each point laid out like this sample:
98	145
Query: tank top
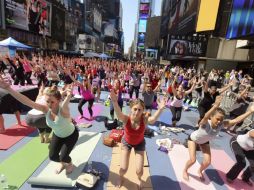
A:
245	141
133	136
205	133
87	94
62	127
177	102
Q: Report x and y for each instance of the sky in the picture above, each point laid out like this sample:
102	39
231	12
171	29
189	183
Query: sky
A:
130	10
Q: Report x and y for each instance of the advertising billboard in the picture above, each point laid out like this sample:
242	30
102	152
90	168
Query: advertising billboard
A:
144	7
208	11
30	15
165	18
188	45
144	1
58	24
142	25
141	38
183	16
241	20
97	19
86	42
1	14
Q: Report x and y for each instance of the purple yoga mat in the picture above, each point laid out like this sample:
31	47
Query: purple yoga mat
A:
97	108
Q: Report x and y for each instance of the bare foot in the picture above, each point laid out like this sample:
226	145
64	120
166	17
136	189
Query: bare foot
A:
185	176
201	176
69	168
140	184
60	169
119	182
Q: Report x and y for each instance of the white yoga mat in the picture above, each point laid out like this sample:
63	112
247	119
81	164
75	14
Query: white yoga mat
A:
80	155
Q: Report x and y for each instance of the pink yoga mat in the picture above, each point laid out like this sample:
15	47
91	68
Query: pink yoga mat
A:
97	108
223	163
13	135
178	156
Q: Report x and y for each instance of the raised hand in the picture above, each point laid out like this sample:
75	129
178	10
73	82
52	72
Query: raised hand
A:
162	102
218	100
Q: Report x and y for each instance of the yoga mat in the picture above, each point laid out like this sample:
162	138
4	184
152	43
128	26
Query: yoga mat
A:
14	134
21	165
130	178
178	157
97	108
222	167
80	155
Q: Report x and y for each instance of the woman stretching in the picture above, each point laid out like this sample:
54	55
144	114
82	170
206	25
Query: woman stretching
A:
209	128
65	134
243	148
134	128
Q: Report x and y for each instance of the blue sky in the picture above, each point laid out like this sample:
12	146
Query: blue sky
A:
130	10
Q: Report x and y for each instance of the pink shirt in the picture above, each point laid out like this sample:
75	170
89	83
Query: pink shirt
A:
27	66
87	94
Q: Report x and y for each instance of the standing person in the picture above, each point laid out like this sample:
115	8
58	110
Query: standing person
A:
65	134
209	128
243	148
134	128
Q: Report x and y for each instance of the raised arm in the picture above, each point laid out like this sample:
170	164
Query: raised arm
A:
65	105
117	109
209	113
191	89
157	88
225	88
23	99
240	118
161	105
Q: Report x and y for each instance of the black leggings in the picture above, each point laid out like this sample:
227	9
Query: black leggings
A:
240	155
60	148
136	89
176	113
90	104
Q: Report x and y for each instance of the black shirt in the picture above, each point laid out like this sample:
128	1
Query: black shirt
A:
208	100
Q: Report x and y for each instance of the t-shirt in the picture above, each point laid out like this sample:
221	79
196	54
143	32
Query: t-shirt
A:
208	100
148	98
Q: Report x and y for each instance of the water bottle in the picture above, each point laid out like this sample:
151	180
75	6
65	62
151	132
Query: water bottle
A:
3	182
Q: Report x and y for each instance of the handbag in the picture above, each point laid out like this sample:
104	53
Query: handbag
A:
116	135
109	141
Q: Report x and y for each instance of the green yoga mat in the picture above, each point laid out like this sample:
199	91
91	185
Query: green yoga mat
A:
21	165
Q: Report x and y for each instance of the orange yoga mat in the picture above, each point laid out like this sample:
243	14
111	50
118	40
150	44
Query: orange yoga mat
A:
14	134
130	178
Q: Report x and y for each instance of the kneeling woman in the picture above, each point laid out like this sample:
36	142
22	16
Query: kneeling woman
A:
243	147
65	135
134	128
209	128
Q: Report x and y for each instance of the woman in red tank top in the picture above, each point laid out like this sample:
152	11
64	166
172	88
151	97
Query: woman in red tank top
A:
135	124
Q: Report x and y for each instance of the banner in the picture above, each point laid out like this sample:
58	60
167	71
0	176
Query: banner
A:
183	15
188	45
58	24
241	20
30	15
86	42
97	19
165	18
207	15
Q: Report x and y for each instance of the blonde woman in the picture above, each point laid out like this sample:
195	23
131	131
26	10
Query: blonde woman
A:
134	128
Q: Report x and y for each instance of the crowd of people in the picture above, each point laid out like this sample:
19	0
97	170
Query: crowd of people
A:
160	87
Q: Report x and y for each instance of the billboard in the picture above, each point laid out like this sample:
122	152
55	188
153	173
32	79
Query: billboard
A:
86	42
241	20
183	15
188	45
144	1
144	7
0	14
58	24
166	6
141	38
30	15
142	25
208	11
97	19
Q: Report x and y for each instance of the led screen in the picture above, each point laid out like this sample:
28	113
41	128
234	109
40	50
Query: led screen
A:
142	25
241	20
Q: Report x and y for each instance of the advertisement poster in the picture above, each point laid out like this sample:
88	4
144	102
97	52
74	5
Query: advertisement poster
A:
241	20
0	14
97	19
86	42
141	38
188	45
29	15
183	16
165	18
142	25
